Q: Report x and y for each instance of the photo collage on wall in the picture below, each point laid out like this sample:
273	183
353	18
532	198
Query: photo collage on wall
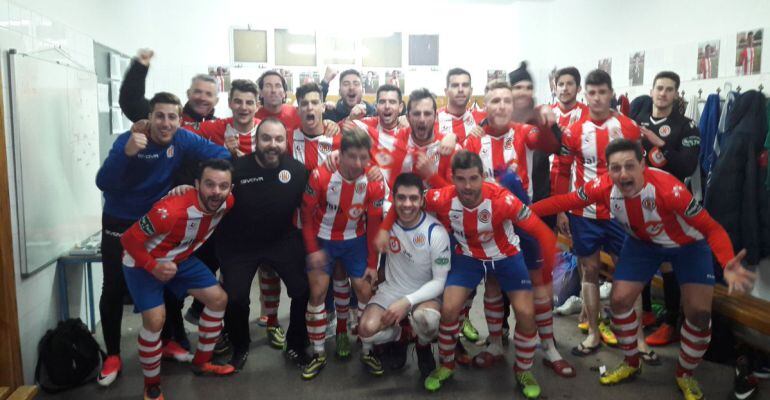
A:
748	53
708	59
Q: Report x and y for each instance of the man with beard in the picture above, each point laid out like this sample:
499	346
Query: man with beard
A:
157	256
272	98
268	187
351	91
664	223
138	171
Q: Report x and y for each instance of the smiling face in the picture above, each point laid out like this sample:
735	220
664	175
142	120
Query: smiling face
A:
202	96
213	188
408	202
351	90
243	106
164	121
271	143
567	89
422	117
458	91
389	108
626	172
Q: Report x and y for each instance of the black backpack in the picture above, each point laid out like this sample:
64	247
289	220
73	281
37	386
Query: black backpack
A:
68	356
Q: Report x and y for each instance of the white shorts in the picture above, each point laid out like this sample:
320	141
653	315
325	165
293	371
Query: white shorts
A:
387	295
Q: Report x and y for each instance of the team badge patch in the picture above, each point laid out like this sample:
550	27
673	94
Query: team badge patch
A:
395	245
442	261
324	148
419	240
170	151
508	143
284	176
355	211
484	216
146	226
664	130
648	204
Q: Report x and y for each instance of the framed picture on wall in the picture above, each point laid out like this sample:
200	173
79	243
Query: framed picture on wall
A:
496	75
748	57
288	76
309	77
423	49
605	64
249	46
708	60
371	81
395	77
222	75
636	68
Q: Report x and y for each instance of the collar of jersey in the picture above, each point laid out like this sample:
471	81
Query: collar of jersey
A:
405	229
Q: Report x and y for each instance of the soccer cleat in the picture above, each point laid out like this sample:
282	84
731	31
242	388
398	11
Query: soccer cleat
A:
398	354
572	305
153	393
469	331
223	344
314	367
664	335
607	336
343	346
621	373
276	337
297	356
437	377
173	351
238	360
262	321
528	384
110	370
212	369
745	384
461	355
426	363
372	364
689	387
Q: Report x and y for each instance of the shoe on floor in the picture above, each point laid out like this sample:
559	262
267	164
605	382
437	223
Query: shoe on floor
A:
426	363
469	331
342	346
238	360
110	370
314	367
276	337
436	378
689	387
153	393
572	305
223	344
297	355
528	384
607	335
372	364
621	373
212	369
648	319
262	321
173	351
745	383
664	335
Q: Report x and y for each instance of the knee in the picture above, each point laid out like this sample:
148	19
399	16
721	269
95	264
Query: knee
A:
425	322
218	301
154	322
620	303
367	327
449	313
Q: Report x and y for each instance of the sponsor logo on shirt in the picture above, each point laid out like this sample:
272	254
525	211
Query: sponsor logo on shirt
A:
395	245
691	141
146	225
442	261
648	204
360	187
246	181
654	228
152	156
284	176
324	148
484	216
664	131
419	240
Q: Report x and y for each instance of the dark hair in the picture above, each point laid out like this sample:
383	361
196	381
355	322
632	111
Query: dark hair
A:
456	71
243	85
349	72
165	98
668	75
497	85
571	71
354	137
310	87
408	179
420	94
599	77
619	145
219	164
465	159
271	120
390	88
261	79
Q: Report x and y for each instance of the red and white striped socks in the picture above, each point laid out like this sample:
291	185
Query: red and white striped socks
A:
447	341
693	344
625	326
150	352
209	328
494	314
524	345
342	303
315	319
270	294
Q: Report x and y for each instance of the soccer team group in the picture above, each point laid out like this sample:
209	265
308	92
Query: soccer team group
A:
399	210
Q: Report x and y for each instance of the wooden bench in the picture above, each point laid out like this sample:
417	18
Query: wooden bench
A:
745	310
23	393
4	392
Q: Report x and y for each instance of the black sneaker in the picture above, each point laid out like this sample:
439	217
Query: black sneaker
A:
425	360
398	355
238	359
223	344
745	385
298	356
153	393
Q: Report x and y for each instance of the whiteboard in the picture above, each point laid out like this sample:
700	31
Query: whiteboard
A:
54	119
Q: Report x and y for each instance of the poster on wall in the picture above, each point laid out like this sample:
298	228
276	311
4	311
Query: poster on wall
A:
605	64
395	77
222	75
748	57
288	76
636	68
708	60
371	81
496	75
309	77
552	81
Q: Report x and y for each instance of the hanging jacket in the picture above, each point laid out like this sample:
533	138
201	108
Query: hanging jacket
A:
735	195
723	119
709	125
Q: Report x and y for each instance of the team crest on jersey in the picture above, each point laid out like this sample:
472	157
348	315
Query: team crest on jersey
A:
297	149
648	204
654	228
442	261
170	151
284	176
355	211
508	143
324	148
664	131
419	240
656	157
146	226
384	158
360	187
435	157
163	213
484	216
677	190
395	245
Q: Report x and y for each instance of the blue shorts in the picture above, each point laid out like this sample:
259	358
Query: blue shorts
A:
640	260
510	272
352	253
591	235
533	258
147	291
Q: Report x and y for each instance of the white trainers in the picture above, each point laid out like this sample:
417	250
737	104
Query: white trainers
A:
604	290
573	305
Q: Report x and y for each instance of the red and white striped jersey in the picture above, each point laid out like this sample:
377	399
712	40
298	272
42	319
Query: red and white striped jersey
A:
663	212
747	60
705	67
586	141
219	129
404	157
288	115
512	149
335	206
565	118
460	125
485	232
173	229
383	140
311	151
